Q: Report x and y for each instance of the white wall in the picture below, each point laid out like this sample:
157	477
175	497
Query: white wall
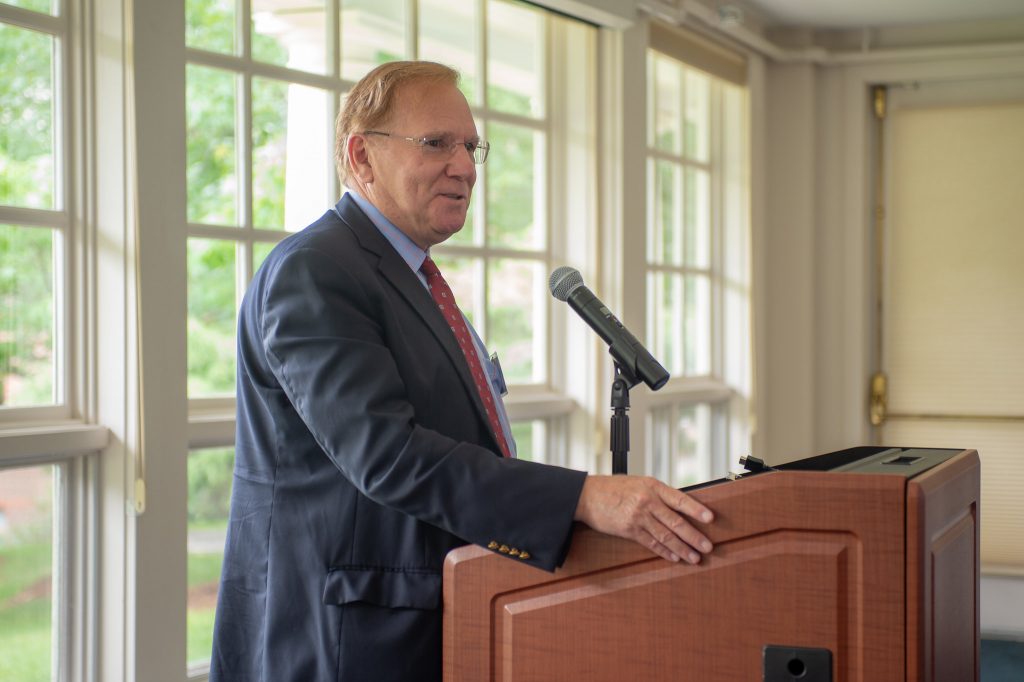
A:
818	290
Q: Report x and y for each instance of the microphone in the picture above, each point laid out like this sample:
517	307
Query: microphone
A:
634	361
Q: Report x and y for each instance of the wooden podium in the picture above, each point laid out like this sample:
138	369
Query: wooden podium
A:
860	565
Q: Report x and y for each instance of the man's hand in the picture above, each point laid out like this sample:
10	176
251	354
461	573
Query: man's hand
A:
646	511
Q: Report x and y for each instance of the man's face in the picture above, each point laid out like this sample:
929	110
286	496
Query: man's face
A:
424	195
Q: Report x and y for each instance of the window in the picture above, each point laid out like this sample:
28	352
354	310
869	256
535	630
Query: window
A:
261	100
697	286
33	223
27	560
210	473
40	472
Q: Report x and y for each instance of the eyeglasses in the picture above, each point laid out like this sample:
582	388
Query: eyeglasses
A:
441	145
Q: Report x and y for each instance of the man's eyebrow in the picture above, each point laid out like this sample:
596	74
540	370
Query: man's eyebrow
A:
445	133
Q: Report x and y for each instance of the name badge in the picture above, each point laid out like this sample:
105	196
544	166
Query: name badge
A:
499	377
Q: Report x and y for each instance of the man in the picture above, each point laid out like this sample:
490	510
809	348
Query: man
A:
370	439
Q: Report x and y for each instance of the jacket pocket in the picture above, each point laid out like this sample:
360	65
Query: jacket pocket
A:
390	587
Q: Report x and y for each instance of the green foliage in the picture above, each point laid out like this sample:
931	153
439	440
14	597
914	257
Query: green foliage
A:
509	328
199	636
26	323
522	434
212	181
209	489
25	565
211	317
44	6
266	49
210	25
508	101
26	118
269	141
25	642
510	186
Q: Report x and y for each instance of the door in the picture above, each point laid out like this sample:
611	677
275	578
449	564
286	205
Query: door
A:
952	302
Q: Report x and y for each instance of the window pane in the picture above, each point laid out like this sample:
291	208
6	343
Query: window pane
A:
515	57
467	235
516	318
210	25
698	325
665	226
735	210
212	172
667	105
529	437
681	442
464	276
665	320
26	118
513	218
45	6
27	366
698	218
211	317
736	339
292	34
448	34
209	496
679	322
260	251
26	573
290	153
372	32
691	455
698	132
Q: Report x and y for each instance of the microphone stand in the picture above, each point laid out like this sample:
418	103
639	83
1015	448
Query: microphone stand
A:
624	380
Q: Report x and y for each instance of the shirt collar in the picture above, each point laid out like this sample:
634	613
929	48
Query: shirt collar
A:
406	247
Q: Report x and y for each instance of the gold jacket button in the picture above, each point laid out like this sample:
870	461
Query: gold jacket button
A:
503	549
513	552
524	555
492	545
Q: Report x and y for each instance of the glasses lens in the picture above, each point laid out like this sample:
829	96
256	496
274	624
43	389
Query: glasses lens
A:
480	153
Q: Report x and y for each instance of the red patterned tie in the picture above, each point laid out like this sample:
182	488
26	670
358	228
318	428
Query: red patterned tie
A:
445	300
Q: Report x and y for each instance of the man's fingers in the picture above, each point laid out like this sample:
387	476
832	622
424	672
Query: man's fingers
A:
674	525
652	543
646	511
665	544
685	504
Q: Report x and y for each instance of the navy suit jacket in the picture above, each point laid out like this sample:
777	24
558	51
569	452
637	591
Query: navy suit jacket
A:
363	455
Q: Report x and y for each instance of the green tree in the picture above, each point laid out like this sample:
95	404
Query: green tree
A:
26	179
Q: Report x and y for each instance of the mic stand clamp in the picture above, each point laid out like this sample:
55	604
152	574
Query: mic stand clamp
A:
624	380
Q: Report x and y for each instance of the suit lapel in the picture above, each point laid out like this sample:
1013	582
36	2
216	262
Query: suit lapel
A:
394	269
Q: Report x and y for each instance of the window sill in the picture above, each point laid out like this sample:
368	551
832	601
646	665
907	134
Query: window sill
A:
37	443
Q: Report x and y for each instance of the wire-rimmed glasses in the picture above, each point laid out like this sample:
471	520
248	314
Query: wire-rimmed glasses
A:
442	145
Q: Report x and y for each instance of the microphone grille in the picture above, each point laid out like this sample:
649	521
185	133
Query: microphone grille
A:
563	281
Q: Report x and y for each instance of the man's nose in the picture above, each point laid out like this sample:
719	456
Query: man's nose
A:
461	163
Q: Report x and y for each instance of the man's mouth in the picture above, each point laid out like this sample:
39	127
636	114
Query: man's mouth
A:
454	196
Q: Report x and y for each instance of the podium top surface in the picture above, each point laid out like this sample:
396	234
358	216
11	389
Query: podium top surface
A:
906	462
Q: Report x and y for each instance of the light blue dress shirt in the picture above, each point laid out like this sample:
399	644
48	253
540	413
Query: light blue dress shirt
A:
414	256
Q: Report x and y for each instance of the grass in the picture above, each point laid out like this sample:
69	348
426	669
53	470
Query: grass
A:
25	626
199	638
203	570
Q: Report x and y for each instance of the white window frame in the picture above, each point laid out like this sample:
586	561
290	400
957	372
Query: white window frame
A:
66	434
124	515
564	405
625	222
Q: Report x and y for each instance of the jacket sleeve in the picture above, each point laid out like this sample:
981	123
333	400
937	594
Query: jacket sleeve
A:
324	342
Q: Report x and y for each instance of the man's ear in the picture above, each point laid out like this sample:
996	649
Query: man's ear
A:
359	158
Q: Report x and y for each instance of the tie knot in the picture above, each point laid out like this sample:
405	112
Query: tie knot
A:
429	267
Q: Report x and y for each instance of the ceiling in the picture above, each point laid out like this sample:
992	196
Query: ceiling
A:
845	14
